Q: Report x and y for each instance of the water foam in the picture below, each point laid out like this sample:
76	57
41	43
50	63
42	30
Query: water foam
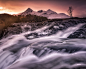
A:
48	52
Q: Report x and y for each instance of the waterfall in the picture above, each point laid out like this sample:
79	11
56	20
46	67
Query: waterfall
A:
47	52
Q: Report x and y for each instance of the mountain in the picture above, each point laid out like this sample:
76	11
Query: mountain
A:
40	11
49	13
29	10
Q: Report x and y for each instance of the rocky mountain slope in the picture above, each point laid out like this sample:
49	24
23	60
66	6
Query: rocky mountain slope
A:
49	13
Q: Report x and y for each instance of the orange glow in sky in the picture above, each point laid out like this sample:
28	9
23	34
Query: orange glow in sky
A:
59	6
4	10
1	8
9	11
15	7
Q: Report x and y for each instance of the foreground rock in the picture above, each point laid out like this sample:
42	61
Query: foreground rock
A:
54	27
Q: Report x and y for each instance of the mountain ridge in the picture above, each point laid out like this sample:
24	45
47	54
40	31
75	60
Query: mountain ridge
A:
50	14
29	10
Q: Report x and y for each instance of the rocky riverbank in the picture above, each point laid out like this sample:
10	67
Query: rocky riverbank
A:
54	27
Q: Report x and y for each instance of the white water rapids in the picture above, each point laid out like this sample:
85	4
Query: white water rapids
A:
49	52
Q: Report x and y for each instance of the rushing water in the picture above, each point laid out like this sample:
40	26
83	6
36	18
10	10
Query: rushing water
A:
56	51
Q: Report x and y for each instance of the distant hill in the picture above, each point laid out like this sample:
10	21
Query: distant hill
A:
49	13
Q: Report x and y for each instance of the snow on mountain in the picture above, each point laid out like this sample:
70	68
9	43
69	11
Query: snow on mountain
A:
40	11
49	13
29	10
60	15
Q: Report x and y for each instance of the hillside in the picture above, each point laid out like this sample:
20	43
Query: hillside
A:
7	20
55	25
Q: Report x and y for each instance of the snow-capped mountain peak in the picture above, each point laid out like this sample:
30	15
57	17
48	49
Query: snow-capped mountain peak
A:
40	11
49	10
49	13
29	10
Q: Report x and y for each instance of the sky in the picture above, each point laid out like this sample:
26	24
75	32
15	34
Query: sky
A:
59	6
